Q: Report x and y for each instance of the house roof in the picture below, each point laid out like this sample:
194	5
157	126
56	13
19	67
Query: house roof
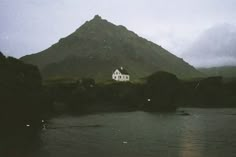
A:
123	71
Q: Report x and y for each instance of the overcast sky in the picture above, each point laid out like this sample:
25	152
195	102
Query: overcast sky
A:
30	26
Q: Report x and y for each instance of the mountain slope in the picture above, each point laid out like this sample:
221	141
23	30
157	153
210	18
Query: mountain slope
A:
98	47
224	71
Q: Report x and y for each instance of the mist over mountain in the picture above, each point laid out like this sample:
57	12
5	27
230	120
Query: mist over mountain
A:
98	47
215	47
224	71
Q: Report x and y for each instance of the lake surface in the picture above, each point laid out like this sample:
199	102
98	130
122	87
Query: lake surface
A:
204	133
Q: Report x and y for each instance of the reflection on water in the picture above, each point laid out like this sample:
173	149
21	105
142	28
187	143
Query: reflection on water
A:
209	132
204	133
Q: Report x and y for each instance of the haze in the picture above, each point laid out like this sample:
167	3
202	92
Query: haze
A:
29	26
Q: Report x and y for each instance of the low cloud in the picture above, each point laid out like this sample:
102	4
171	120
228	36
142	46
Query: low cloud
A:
215	47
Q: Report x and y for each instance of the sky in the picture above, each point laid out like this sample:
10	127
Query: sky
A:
30	26
214	47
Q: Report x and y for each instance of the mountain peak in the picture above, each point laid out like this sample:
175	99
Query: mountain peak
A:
97	17
98	47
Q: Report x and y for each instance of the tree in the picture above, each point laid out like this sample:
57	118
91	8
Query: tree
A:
161	91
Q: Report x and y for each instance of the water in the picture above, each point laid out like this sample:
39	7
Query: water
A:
204	133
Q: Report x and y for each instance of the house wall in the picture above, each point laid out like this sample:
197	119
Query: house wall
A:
120	77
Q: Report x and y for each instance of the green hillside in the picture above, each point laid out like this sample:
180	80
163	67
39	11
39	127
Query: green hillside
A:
224	71
98	47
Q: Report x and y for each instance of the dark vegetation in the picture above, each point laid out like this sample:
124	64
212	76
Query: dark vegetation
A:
162	91
209	92
24	100
158	93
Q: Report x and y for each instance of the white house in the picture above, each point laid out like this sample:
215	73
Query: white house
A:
120	74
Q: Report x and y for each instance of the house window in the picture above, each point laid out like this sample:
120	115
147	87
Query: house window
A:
127	77
119	77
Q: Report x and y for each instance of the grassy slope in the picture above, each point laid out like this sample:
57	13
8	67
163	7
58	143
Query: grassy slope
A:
225	71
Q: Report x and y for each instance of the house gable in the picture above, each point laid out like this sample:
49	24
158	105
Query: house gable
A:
120	74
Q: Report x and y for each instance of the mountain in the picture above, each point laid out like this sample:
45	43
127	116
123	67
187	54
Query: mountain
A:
224	71
214	47
98	47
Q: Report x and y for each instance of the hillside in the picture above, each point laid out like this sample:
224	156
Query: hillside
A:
98	47
224	71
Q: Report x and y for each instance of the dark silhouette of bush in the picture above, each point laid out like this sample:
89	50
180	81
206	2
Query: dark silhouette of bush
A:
104	97
21	97
209	92
161	91
229	93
